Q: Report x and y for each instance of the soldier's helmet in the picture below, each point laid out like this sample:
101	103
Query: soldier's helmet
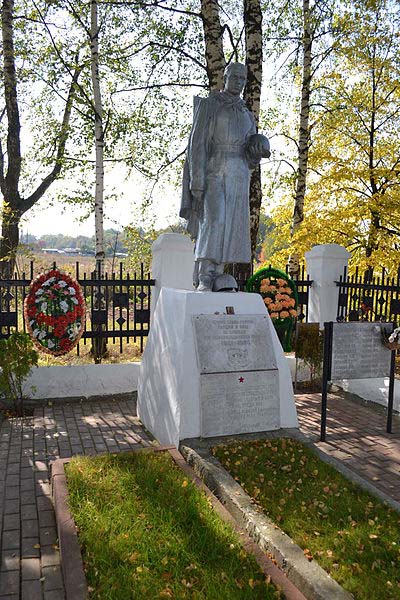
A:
225	283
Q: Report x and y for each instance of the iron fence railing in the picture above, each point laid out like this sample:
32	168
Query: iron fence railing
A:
303	284
368	297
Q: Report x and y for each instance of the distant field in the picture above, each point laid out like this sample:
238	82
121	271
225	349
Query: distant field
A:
43	262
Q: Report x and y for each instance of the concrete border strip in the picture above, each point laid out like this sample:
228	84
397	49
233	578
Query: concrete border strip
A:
307	576
70	553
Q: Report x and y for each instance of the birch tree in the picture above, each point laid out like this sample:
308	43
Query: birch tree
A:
213	42
304	117
301	35
252	18
99	137
15	201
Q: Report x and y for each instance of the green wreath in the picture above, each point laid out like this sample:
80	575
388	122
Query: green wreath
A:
280	298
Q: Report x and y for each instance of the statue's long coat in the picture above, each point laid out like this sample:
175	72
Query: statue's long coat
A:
217	171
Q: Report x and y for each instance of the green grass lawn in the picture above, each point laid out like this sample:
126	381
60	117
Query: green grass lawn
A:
352	535
147	532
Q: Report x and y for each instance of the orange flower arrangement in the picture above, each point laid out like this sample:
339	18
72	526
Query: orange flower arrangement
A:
278	298
279	294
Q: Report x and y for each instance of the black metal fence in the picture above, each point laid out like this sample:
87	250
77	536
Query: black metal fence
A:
117	305
303	284
368	297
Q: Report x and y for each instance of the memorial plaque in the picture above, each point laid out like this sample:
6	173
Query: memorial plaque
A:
358	352
240	402
228	343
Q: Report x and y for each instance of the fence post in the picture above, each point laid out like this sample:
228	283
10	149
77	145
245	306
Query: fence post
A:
325	264
172	264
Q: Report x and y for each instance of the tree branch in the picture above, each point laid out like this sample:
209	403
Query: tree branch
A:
179	51
52	176
188	13
159	85
81	89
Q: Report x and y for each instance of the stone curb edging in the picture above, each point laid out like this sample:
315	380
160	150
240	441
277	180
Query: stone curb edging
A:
307	576
71	558
277	575
70	552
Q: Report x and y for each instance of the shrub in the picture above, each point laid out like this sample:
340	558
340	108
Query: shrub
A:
310	347
17	357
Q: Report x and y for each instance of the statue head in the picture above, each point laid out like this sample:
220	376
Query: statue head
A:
235	76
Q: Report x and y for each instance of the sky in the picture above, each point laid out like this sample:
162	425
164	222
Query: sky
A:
43	219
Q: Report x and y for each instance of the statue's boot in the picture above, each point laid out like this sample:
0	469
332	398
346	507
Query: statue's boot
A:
205	283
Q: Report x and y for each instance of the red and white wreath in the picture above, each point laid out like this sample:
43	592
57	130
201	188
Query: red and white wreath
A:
55	312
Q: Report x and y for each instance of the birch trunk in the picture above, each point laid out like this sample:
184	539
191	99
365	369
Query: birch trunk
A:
99	137
99	346
252	17
14	206
213	37
304	129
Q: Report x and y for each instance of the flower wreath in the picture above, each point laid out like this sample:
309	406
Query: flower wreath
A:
280	297
54	312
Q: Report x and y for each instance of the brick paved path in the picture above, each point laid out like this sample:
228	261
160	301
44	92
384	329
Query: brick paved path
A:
30	565
356	435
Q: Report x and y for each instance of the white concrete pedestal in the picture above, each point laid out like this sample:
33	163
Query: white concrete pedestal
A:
169	379
325	264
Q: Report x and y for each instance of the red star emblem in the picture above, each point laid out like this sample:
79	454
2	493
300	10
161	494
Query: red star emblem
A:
241	379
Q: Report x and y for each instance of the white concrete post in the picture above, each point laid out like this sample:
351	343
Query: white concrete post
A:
325	264
172	264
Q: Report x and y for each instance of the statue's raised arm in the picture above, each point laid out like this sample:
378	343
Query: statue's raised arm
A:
223	148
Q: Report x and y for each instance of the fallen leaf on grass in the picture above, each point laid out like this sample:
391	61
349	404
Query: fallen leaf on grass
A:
308	554
133	557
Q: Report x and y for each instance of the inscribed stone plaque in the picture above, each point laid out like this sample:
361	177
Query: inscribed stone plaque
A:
227	343
241	402
358	352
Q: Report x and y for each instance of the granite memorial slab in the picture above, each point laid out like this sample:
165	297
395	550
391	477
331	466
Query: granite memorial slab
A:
229	343
358	352
239	402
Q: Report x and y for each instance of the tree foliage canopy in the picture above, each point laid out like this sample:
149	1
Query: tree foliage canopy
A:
353	192
153	58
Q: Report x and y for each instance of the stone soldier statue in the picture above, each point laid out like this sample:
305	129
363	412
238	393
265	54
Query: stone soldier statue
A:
223	148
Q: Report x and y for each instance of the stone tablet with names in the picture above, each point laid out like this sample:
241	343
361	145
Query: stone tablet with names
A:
358	352
229	343
240	402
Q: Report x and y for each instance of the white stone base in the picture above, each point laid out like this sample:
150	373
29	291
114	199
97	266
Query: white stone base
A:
372	390
81	381
169	379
